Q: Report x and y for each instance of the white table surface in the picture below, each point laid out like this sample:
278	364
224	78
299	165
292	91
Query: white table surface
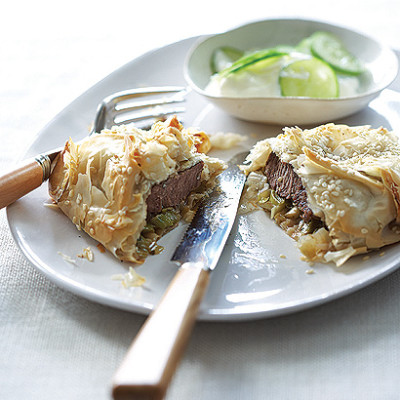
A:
55	345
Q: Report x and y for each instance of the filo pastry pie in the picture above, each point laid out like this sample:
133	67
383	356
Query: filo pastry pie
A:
127	187
334	188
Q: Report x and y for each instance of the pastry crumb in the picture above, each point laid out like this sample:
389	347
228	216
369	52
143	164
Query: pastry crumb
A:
310	271
67	258
87	253
54	206
101	248
226	140
130	279
282	256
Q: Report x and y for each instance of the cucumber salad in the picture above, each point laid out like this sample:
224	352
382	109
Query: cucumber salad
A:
319	66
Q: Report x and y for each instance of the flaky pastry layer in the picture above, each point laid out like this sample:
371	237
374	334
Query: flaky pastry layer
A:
102	182
352	178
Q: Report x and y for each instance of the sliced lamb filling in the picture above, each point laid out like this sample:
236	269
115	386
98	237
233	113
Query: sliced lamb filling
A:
284	181
163	204
174	190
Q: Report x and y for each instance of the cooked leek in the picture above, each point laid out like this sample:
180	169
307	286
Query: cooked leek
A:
154	230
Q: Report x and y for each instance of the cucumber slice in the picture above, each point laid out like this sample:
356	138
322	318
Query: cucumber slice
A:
284	48
304	46
224	57
309	77
251	59
266	65
329	48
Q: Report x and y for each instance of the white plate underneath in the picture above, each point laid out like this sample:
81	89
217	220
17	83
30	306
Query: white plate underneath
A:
260	273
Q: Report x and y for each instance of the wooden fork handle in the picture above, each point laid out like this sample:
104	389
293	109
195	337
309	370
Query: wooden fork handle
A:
155	353
22	180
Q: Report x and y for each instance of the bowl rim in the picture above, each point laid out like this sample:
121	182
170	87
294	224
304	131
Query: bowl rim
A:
375	90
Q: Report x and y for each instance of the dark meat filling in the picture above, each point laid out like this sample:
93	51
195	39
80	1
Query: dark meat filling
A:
173	191
163	208
287	184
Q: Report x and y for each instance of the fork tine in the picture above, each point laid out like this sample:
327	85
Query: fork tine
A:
111	106
137	93
150	115
139	105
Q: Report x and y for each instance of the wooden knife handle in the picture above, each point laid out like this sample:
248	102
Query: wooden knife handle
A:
22	180
157	349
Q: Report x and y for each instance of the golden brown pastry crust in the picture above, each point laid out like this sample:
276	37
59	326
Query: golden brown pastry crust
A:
352	179
102	183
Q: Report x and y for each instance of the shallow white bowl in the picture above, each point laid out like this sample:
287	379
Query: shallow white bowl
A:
380	61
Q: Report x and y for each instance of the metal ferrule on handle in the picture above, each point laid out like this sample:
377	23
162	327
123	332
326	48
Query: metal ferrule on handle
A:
45	162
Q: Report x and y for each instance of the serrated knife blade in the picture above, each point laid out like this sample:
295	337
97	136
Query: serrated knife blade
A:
149	365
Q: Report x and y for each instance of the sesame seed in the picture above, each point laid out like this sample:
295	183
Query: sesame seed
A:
364	231
129	170
91	231
340	213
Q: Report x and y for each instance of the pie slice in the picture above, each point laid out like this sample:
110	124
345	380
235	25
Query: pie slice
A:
334	188
127	187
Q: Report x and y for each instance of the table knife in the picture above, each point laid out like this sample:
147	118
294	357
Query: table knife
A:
150	363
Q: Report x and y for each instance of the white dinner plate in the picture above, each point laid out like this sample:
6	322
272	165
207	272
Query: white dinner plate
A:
260	273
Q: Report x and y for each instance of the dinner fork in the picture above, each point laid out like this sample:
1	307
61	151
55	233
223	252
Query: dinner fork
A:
150	104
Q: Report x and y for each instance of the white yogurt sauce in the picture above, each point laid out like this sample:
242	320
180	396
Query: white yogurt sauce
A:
265	83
